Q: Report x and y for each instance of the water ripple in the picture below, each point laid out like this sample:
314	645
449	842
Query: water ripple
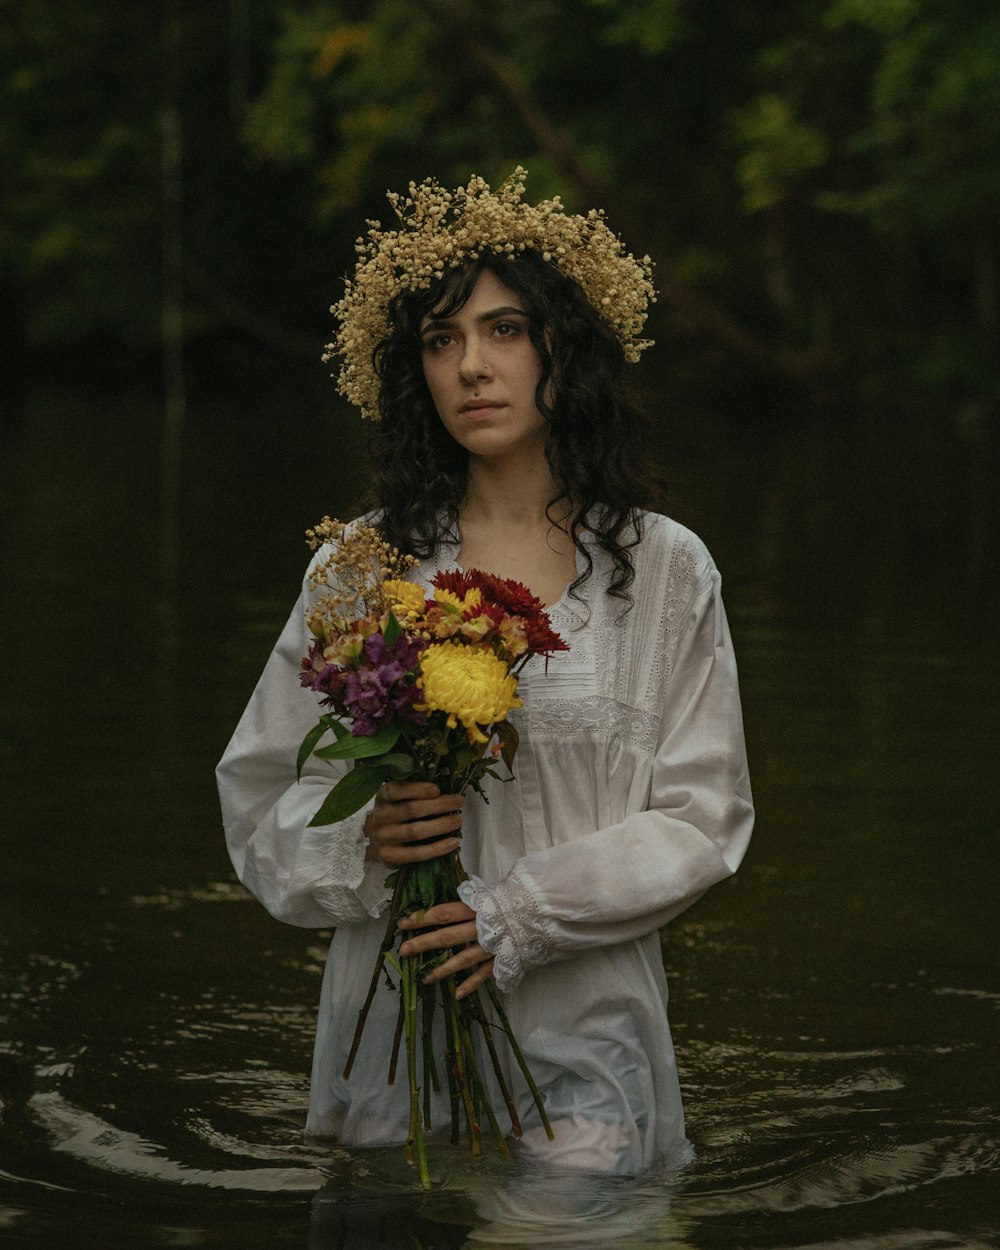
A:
859	1174
90	1140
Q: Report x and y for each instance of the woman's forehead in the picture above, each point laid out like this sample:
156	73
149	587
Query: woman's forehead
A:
488	291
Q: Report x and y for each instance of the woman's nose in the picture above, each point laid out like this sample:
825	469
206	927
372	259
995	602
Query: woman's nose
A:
473	364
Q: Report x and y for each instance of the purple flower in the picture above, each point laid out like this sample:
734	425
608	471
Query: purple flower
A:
382	688
328	680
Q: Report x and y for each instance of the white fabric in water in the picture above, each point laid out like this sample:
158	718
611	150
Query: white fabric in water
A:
631	798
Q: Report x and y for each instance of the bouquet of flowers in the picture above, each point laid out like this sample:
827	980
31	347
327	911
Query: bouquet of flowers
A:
420	687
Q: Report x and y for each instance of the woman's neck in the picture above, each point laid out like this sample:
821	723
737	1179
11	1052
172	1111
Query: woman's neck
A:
507	527
510	498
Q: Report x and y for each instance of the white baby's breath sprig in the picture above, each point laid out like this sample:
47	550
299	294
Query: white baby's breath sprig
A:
355	565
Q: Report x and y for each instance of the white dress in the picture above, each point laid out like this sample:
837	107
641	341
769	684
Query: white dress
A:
631	798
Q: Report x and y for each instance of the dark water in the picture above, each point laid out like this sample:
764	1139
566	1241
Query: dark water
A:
835	1007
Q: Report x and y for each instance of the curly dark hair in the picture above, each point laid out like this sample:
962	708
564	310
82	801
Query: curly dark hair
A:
596	439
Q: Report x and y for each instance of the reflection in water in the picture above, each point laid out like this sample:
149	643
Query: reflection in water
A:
352	1221
572	1211
576	1212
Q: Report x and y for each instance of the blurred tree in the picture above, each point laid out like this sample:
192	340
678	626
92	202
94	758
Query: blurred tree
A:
81	168
584	94
930	144
871	154
93	101
817	180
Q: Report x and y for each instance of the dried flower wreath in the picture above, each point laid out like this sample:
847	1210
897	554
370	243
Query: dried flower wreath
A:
441	230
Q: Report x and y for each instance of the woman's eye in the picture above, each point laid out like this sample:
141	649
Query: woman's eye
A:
435	342
506	328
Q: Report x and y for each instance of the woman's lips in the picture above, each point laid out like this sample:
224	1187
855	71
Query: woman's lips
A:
479	408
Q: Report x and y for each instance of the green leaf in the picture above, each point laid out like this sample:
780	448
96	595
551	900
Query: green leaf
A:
509	740
326	722
392	630
308	743
350	794
351	748
397	765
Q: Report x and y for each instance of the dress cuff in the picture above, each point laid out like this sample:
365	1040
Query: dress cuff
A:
372	889
353	888
510	926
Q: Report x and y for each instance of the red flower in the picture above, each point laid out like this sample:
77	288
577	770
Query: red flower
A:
510	597
516	598
459	582
542	638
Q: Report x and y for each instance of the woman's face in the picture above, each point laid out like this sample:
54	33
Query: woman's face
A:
482	371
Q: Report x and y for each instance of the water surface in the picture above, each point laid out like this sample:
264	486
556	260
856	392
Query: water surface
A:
835	1006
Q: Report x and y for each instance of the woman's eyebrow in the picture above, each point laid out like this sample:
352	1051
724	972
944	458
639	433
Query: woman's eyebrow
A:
444	323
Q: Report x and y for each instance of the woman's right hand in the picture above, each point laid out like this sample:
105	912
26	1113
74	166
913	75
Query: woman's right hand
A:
405	814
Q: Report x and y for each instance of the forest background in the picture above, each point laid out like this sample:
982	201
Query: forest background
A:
818	181
181	186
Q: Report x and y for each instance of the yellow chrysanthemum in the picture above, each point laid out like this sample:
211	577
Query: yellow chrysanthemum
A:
406	599
448	599
472	687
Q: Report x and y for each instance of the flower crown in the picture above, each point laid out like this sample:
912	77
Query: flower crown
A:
441	230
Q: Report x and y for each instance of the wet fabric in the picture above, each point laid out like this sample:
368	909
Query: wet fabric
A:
631	798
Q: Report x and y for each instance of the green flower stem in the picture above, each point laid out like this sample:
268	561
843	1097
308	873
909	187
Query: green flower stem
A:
427	1048
476	1006
480	1091
536	1093
397	1038
405	986
471	1122
454	1097
387	941
417	888
415	1138
430	1001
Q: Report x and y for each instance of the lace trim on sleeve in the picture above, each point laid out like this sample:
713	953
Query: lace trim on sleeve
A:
510	926
352	888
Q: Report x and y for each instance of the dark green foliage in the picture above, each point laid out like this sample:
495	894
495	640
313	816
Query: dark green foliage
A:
818	181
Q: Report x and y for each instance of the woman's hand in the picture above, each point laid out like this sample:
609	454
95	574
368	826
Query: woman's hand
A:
405	814
452	924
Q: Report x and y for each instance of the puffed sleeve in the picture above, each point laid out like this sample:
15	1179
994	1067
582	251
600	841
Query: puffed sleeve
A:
629	878
311	877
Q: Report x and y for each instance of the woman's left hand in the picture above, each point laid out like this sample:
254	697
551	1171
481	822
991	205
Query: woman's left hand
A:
451	925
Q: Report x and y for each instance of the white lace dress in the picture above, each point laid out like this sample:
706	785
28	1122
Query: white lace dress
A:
631	798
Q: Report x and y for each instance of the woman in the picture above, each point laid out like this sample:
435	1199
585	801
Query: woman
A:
489	336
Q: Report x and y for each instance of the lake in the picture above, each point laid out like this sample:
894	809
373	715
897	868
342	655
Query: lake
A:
834	1006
